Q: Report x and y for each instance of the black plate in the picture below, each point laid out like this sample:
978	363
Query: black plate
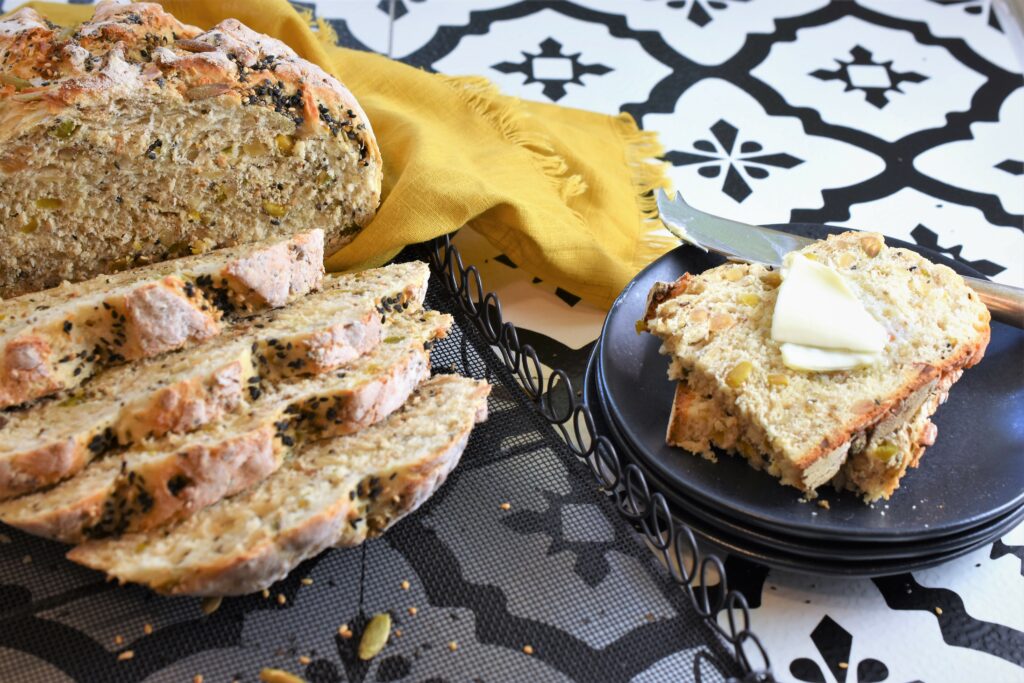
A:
813	548
974	472
770	554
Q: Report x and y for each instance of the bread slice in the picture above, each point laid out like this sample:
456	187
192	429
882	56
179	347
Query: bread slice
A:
184	390
333	492
860	429
58	338
134	138
173	478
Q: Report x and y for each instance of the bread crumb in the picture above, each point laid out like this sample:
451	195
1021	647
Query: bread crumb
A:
281	599
527	649
405	585
307	581
344	631
938	611
506	506
824	504
125	656
453	646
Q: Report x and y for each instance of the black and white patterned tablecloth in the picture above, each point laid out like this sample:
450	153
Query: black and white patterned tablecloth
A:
905	116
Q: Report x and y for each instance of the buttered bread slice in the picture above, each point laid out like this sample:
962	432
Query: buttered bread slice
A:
56	339
168	479
861	427
182	391
333	492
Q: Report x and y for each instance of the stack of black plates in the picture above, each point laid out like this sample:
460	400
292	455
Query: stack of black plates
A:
968	491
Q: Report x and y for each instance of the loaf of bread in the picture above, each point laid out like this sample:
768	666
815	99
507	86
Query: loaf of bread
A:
134	138
182	391
859	429
333	492
58	338
169	479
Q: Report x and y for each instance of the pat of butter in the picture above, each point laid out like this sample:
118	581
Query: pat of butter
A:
821	321
814	359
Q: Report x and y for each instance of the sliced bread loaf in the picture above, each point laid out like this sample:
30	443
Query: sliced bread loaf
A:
174	477
336	491
134	138
184	390
56	339
859	428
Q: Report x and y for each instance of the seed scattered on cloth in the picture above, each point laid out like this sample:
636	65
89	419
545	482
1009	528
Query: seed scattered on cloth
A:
412	611
307	581
506	506
198	678
147	629
344	631
265	593
281	599
938	611
405	585
304	660
453	646
528	649
118	640
844	665
125	656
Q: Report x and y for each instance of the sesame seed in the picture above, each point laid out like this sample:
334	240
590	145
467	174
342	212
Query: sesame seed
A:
412	611
527	649
307	581
125	656
938	611
119	640
405	585
506	506
198	678
398	633
844	665
453	646
304	660
281	599
265	593
147	629
344	631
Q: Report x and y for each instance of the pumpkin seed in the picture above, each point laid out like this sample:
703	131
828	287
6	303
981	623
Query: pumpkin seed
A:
211	605
279	676
375	636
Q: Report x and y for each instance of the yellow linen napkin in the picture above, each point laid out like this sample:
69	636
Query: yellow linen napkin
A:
564	193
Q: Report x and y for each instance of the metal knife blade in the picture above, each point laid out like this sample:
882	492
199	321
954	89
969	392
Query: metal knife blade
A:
732	239
752	243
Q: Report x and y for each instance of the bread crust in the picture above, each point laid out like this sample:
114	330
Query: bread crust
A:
58	338
369	494
137	55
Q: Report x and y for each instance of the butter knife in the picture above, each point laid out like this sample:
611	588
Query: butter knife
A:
752	243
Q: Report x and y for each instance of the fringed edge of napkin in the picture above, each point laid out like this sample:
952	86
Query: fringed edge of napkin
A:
506	115
642	146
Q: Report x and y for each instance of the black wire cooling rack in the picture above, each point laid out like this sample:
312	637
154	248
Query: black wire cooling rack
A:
640	503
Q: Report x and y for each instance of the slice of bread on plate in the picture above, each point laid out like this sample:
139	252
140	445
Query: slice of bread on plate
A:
332	492
182	391
56	339
134	138
859	428
167	479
